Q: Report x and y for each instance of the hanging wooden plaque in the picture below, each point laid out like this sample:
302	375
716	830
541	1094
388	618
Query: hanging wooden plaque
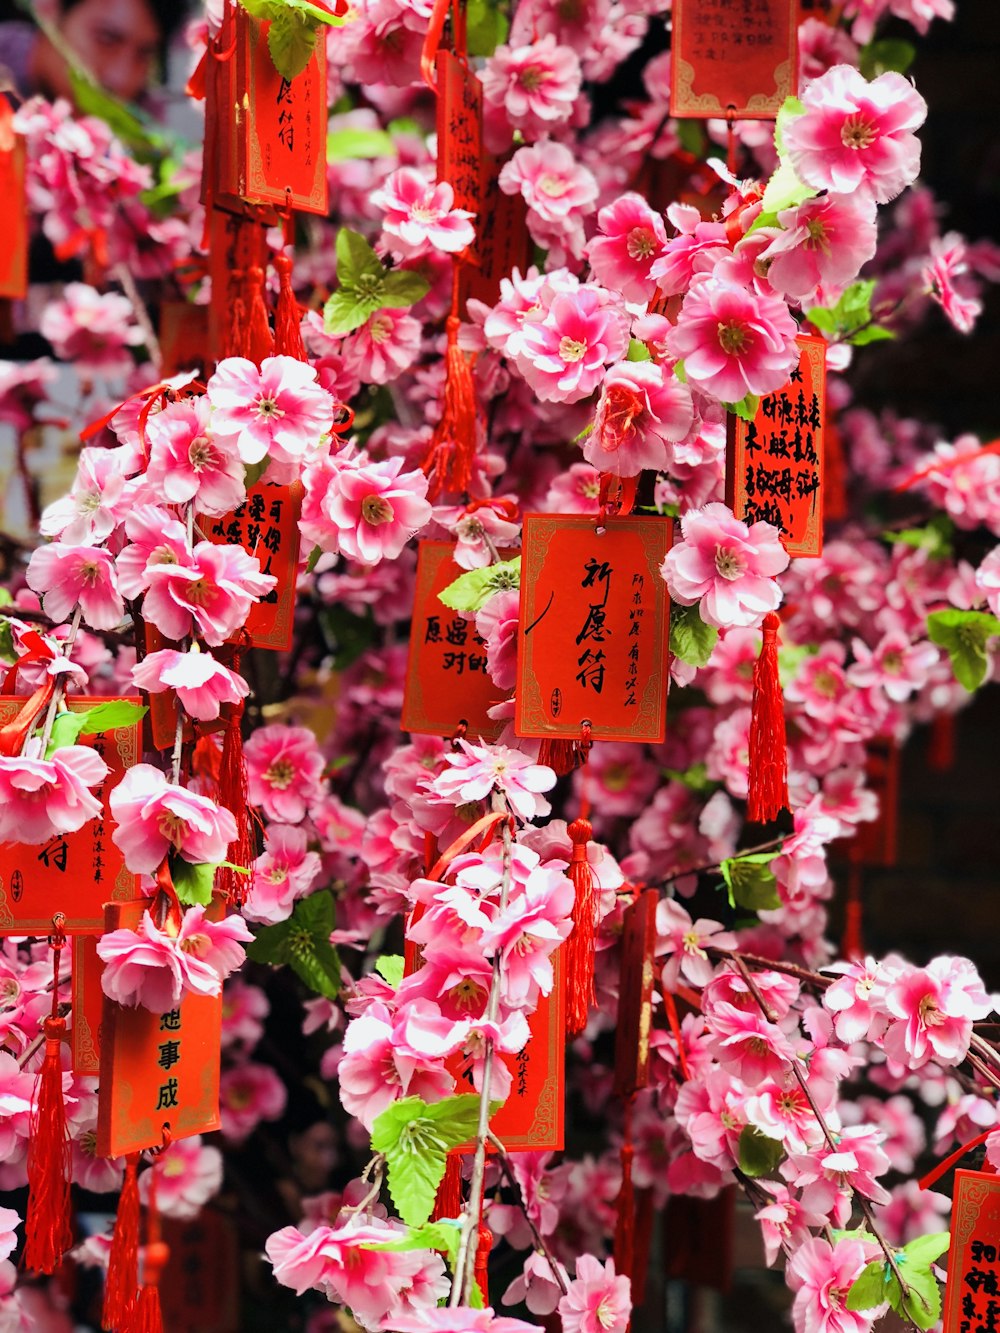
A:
735	57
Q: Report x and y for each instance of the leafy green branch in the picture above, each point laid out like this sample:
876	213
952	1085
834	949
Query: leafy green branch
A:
366	286
294	31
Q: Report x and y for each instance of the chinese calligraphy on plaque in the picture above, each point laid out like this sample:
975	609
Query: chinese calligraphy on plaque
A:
972	1295
735	56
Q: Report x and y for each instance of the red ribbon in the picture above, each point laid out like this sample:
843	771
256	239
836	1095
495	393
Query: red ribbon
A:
433	35
16	732
487	825
935	1174
947	465
502	505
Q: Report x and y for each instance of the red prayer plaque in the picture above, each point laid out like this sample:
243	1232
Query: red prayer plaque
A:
502	241
594	625
266	525
698	1239
14	217
739	58
78	873
88	1006
199	1290
184	338
774	463
446	678
635	995
971	1299
874	843
157	1070
459	122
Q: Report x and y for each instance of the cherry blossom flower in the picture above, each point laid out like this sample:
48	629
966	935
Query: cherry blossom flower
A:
536	1286
947	278
202	684
283	873
9	1222
64	575
641	410
558	191
857	999
383	347
497	622
284	768
42	798
94	330
932	1011
725	566
683	942
564	355
474	771
155	817
821	1275
188	1174
535	85
378	1068
857	136
419	217
96	504
210	594
895	665
784	1221
248	1094
187	461
748	1045
278	411
823	241
632	238
598	1301
374	509
156	538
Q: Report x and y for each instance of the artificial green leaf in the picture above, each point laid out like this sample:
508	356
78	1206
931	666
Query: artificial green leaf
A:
444	1236
473	589
475	1298
694	778
784	190
935	537
850	319
868	1288
401	289
65	731
106	717
789	109
291	41
124	121
691	640
347	144
922	1301
302	942
746	408
925	1249
414	1137
355	258
691	137
751	882
758	1154
390	968
345	311
638	351
874	333
680	372
964	635
486	27
888	53
790	658
313	560
192	883
763	220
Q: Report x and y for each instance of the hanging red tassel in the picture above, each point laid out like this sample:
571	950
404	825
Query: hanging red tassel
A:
233	345
123	1261
147	1315
206	764
767	777
47	1228
624	1249
581	945
448	464
234	794
257	340
482	1262
448	1200
564	756
287	314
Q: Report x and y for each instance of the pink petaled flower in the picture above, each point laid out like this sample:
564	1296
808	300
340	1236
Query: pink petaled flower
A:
460	1319
187	461
857	1000
575	491
598	1301
642	409
248	1094
497	623
282	874
9	1222
632	238
535	85
536	1286
784	1221
477	770
420	216
202	684
244	1007
278	411
528	931
564	356
65	575
857	136
734	341
696	249
157	538
94	330
155	817
821	1275
376	508
934	1008
825	240
211	594
40	798
377	1067
284	768
383	347
745	1043
96	503
725	566
155	968
188	1174
557	190
896	665
945	275
683	941
987	578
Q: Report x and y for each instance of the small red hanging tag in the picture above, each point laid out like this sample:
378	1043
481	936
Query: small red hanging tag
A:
730	57
973	1257
459	130
635	995
594	625
266	525
774	464
201	1284
582	942
767	771
87	1005
123	1260
447	683
48	1227
73	874
14	215
502	241
698	1239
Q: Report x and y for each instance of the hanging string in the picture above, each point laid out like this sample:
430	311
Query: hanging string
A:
624	1244
581	946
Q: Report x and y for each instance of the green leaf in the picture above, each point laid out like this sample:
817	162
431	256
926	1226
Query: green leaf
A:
414	1138
345	311
291	40
402	288
751	882
390	968
303	944
922	1301
444	1235
789	109
758	1154
252	472
874	333
348	144
691	640
694	778
869	1287
193	883
925	1249
486	27
355	258
850	320
126	122
65	731
313	560
935	538
964	635
888	53
638	351
106	717
746	408
473	589
784	190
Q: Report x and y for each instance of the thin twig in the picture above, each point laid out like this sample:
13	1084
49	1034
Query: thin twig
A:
773	965
540	1241
60	689
771	845
149	337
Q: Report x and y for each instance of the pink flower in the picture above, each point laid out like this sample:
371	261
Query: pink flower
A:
278	411
9	1222
244	1007
642	409
564	356
726	566
734	341
497	623
528	931
748	1045
188	1174
632	238
535	85
575	491
92	329
65	575
857	136
896	665
284	872
284	768
378	1068
987	578
202	684
857	999
823	241
210	594
598	1301
477	770
558	191
155	968
157	538
934	1009
821	1275
460	1319
376	508
683	942
248	1094
420	217
187	461
96	503
155	817
40	798
947	278
536	1285
385	345
784	1221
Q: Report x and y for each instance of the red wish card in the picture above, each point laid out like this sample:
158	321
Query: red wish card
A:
158	1071
200	1288
87	1006
733	56
502	241
459	121
75	873
594	627
972	1295
774	466
635	995
446	678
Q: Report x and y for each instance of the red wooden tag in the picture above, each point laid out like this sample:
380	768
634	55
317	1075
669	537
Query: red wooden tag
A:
157	1070
14	215
972	1294
88	1006
698	1239
502	241
739	58
266	525
635	995
235	244
184	338
775	462
459	122
446	678
875	843
78	873
199	1290
594	625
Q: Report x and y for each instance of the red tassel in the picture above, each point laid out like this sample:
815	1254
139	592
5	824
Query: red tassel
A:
448	1201
234	794
564	756
257	340
206	764
123	1262
287	314
483	1261
624	1250
767	777
146	1315
581	945
448	464
941	748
